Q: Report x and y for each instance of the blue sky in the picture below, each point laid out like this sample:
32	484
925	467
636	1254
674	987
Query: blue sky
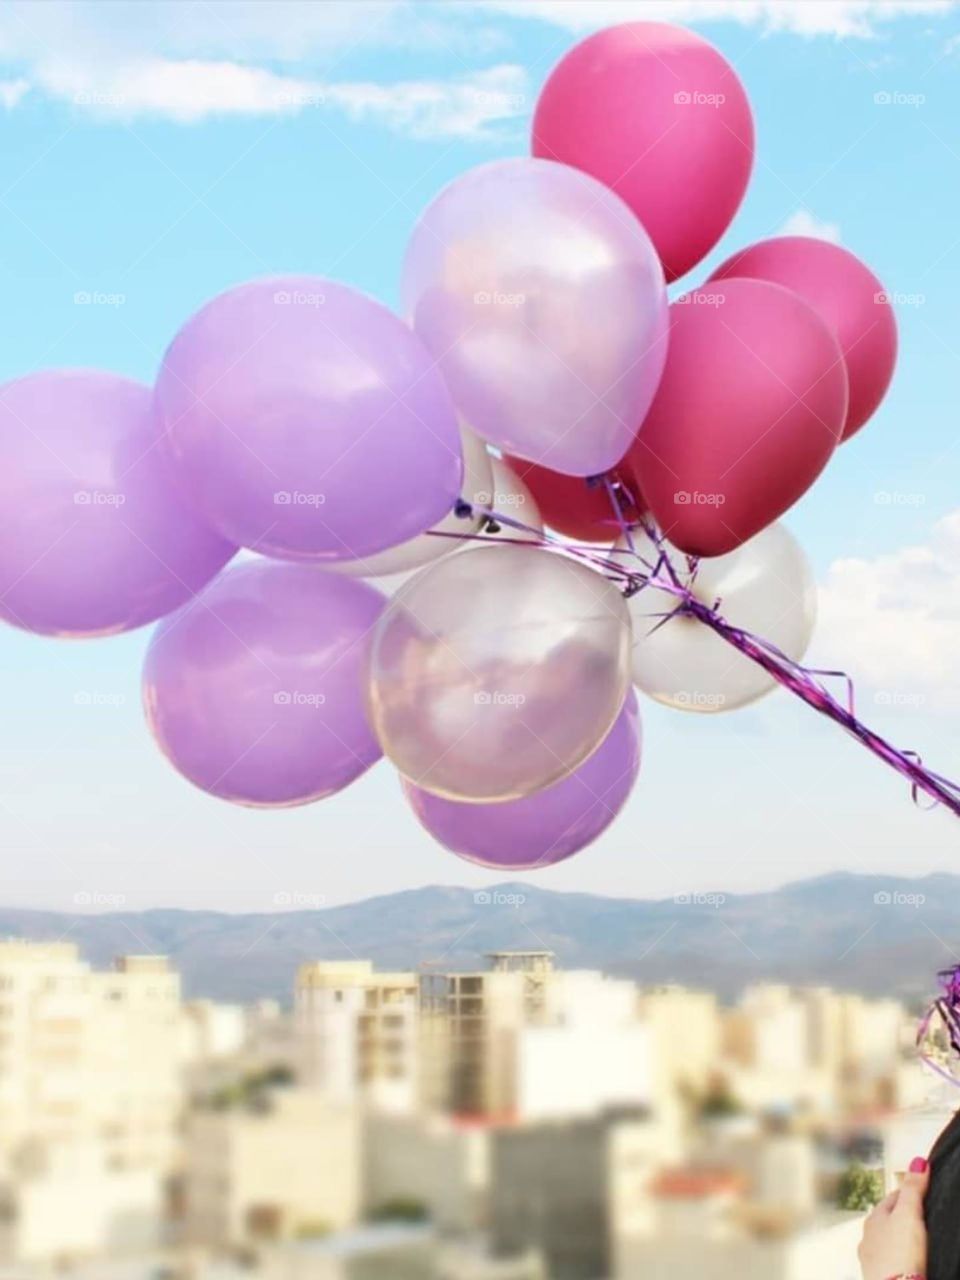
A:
154	154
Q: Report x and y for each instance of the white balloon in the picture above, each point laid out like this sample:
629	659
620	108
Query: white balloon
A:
505	494
765	587
512	498
478	483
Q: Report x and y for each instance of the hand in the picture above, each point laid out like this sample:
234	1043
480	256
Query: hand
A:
895	1235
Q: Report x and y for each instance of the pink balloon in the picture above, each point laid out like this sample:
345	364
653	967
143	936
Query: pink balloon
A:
750	408
847	295
659	115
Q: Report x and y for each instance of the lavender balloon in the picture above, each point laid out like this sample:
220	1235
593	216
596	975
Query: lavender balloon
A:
543	300
541	829
254	691
95	536
308	422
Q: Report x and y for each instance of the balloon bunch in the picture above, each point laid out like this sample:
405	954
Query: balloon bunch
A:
543	379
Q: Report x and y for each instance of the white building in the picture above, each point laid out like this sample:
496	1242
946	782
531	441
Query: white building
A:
90	1099
286	1165
357	1033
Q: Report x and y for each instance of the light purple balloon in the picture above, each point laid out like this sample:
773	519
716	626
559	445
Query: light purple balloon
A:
308	422
543	300
550	825
253	691
95	536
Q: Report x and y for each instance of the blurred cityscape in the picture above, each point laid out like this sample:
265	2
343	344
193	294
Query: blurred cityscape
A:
520	1122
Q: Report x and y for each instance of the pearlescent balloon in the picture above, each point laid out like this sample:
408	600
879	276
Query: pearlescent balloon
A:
765	587
496	672
511	497
307	422
550	825
95	535
477	485
543	300
255	691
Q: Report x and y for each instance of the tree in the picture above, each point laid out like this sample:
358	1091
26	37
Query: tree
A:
859	1188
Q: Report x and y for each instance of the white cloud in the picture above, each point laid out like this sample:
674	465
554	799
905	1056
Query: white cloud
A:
841	18
188	91
803	223
893	622
12	91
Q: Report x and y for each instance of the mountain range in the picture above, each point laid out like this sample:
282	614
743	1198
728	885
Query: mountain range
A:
869	933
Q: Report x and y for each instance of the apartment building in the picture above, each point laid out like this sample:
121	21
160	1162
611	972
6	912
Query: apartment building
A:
357	1033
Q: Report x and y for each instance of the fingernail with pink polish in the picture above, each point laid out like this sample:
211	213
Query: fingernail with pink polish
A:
918	1165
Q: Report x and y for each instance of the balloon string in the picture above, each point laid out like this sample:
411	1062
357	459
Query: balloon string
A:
661	574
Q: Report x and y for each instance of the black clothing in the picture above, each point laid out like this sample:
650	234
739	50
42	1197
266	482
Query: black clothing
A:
942	1205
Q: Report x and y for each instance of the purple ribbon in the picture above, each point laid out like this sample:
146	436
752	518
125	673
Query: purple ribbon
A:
805	683
947	1006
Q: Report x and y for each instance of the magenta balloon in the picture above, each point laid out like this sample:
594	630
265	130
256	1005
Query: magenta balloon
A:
308	422
95	536
254	690
847	295
749	411
660	116
550	825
